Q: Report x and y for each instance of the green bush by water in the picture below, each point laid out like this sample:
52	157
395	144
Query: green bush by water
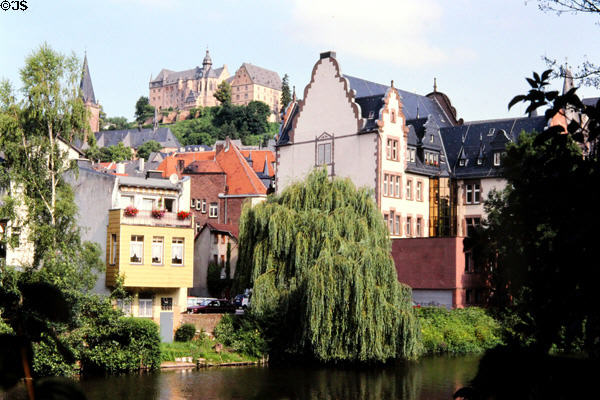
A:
242	333
459	331
202	347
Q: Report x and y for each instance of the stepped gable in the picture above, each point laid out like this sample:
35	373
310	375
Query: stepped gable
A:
262	76
480	139
87	89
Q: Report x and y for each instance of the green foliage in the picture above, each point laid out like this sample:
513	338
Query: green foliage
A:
202	347
143	110
242	333
126	344
248	123
116	153
223	93
185	333
116	123
215	285
325	286
48	358
459	331
286	95
149	147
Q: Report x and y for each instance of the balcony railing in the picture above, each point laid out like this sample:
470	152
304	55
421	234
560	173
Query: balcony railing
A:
144	217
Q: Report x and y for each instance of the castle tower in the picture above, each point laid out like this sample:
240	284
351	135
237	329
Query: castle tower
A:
89	99
206	63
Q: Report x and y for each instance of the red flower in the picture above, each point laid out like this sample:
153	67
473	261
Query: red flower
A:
156	213
183	214
130	211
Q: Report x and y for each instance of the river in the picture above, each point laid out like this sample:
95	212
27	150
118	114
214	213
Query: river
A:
430	378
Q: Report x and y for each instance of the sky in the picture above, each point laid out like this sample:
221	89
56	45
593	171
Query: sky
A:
480	51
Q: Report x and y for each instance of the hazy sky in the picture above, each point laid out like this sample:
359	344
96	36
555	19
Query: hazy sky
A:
479	50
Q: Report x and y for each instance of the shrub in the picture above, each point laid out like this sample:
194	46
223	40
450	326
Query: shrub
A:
242	333
185	333
128	345
460	331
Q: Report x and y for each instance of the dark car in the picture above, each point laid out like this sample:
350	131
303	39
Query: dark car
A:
241	301
212	307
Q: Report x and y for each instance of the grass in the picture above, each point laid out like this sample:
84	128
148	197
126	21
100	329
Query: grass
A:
202	347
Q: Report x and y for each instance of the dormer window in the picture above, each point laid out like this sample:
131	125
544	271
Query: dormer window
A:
480	161
462	162
371	114
431	138
497	158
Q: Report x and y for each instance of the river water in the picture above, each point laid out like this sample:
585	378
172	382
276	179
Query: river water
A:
430	378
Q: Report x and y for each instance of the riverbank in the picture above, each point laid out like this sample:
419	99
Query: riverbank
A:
205	352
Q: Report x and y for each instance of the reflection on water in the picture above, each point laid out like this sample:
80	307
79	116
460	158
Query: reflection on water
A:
427	379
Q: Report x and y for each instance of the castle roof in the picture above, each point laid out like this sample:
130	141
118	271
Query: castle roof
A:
262	76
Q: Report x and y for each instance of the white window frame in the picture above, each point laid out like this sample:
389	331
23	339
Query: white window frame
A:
419	227
497	158
419	191
385	184
397	186
136	241
125	306
408	227
203	210
409	189
213	210
145	307
177	243
476	193
113	248
158	247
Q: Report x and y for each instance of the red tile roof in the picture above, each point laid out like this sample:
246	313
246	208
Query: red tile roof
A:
241	178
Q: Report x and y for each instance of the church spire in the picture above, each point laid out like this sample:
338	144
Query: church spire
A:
568	82
87	90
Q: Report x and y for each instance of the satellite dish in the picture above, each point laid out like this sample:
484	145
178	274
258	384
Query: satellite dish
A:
174	179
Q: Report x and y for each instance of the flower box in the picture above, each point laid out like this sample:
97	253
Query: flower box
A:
130	211
183	215
158	214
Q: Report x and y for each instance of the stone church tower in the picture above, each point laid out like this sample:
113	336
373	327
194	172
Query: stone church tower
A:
87	95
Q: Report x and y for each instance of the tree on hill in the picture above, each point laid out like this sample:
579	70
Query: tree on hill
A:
115	123
149	147
143	110
324	283
223	93
286	94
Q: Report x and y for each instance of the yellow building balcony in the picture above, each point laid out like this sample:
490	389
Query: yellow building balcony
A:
149	252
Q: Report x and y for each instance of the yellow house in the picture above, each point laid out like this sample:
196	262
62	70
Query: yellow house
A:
151	247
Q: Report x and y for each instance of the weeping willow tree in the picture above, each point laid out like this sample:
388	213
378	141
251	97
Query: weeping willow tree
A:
324	283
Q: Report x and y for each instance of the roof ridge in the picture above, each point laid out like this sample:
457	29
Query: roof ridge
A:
244	165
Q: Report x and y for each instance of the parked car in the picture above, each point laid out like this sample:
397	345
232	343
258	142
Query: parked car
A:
242	301
194	301
213	307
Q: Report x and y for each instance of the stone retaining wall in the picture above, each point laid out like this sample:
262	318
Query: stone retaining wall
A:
206	322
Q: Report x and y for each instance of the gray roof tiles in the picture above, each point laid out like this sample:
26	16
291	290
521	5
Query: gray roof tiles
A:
87	89
262	76
135	138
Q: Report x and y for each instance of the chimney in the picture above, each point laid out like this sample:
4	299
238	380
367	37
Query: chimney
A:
219	147
327	54
141	164
120	168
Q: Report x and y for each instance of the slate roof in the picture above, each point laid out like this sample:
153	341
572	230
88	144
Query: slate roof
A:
591	101
483	138
87	90
167	77
135	138
262	76
424	136
414	105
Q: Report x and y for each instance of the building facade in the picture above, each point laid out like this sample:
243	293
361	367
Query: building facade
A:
187	89
252	83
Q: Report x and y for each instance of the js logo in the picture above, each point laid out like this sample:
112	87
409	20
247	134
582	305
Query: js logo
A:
15	5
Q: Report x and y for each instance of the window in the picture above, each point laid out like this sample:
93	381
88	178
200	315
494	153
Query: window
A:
216	238
113	249
472	223
324	153
213	211
166	304
411	155
204	206
469	262
170	205
431	138
145	307
177	251
385	184
136	249
420	191
392	219
462	162
147	204
497	158
126	201
386	219
124	305
397	224
392	149
419	228
157	250
391	186
397	188
409	189
472	193
408	229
